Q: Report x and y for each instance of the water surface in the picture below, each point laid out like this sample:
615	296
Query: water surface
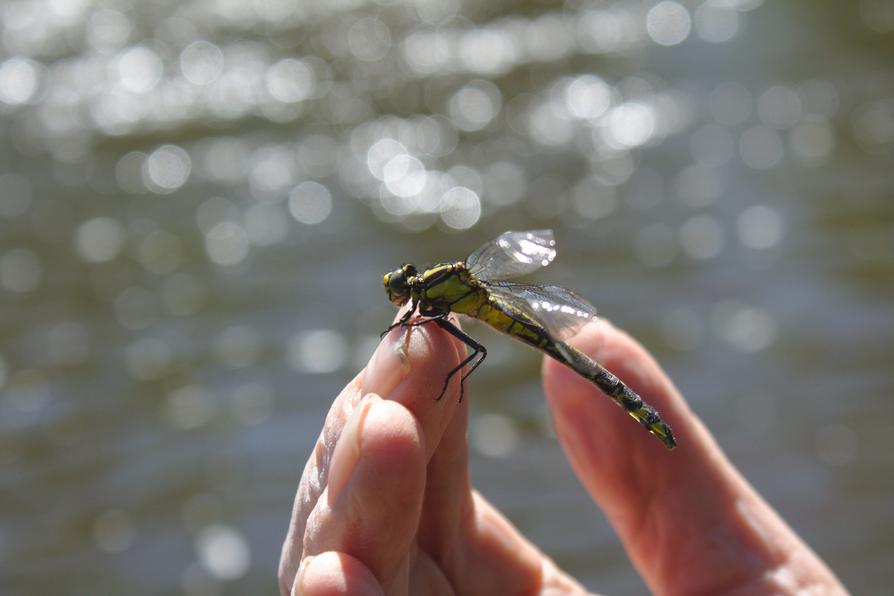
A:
198	200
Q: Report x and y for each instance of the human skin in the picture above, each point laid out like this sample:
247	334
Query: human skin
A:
385	505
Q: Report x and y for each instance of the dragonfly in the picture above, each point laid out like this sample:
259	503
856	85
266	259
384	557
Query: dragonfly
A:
542	316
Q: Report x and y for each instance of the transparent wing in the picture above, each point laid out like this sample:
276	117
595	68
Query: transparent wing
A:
558	310
512	254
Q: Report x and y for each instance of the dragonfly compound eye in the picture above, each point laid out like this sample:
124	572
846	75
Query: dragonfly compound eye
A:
397	284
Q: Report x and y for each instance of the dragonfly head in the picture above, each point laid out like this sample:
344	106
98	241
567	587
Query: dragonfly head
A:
397	284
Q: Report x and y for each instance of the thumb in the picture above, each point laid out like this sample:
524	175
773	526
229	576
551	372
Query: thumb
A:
689	521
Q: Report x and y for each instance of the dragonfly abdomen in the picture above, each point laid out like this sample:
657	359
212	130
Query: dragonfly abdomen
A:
503	318
616	389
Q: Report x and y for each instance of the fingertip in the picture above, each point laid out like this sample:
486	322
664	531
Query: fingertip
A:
333	574
413	353
432	350
388	366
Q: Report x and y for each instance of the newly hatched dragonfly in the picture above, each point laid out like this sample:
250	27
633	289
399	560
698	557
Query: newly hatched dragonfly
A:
541	316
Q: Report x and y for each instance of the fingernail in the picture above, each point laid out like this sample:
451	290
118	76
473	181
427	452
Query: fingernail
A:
347	450
299	577
388	366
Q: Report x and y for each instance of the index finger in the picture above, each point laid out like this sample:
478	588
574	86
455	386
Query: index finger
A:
407	367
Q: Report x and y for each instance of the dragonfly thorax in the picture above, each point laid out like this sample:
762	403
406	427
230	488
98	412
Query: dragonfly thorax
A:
447	287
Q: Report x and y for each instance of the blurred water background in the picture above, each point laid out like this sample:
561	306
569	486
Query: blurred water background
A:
198	199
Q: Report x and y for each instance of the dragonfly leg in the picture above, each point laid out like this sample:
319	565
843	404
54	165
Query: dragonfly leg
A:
402	322
477	349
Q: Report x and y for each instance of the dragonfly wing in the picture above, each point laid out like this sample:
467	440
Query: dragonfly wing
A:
512	254
558	310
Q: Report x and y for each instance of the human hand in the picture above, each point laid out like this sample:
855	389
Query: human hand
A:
385	504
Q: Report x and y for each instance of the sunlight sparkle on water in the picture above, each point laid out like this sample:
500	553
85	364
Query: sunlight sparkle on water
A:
812	143
201	62
716	21
615	29
310	203
189	407
486	51
779	107
223	551
745	328
588	97
319	351
19	80
631	124
494	435
227	243
546	125
475	105
108	29
460	208
759	227
291	80
139	69
380	153
166	169
668	23
266	224
272	171
369	39
404	175
505	183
